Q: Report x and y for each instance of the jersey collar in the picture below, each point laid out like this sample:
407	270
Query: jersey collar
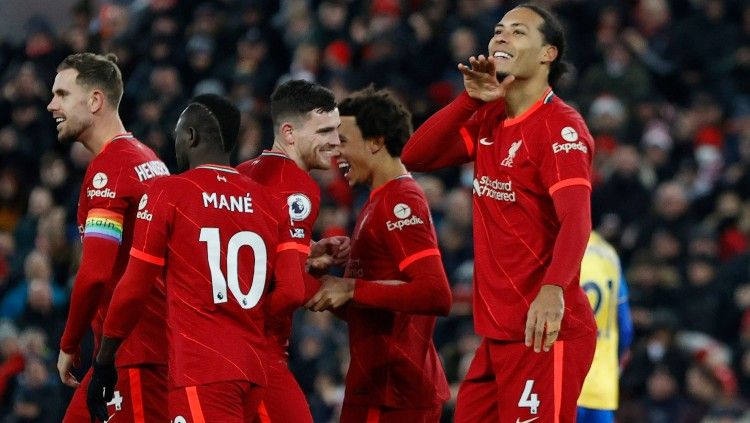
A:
220	168
123	136
378	189
546	98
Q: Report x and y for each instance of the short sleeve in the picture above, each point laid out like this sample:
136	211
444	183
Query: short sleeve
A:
153	219
407	228
566	153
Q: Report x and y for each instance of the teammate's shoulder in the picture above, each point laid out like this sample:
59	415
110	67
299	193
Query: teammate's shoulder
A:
562	112
403	189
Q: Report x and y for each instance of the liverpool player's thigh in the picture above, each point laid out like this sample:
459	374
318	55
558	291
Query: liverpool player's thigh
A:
543	386
140	395
77	410
226	402
369	414
283	400
478	393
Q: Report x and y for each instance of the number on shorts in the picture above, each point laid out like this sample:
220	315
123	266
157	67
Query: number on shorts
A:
245	238
529	399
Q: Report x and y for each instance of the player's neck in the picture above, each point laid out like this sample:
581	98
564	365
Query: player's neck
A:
209	158
290	152
101	133
523	94
386	171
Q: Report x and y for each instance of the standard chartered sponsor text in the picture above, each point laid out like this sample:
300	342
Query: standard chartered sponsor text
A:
495	189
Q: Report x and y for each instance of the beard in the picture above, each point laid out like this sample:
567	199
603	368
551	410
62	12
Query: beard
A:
69	135
501	75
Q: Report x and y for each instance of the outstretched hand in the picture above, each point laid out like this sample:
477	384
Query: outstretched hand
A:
480	79
331	251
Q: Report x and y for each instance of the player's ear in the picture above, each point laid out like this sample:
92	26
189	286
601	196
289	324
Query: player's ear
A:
193	137
376	144
286	129
96	101
549	53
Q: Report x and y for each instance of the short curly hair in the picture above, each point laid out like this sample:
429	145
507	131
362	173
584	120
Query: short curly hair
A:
379	114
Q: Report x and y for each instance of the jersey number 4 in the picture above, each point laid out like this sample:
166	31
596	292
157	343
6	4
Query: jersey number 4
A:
245	238
529	399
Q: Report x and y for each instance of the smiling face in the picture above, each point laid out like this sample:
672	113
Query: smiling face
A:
355	158
316	138
518	45
70	106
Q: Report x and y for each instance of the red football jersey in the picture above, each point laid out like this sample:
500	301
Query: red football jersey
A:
295	188
519	164
114	183
393	359
216	232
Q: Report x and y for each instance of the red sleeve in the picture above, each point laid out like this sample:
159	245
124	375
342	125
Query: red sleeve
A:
426	290
312	285
126	306
97	261
447	138
573	209
566	151
289	288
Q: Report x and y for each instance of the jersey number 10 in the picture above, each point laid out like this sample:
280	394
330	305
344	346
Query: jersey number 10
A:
245	238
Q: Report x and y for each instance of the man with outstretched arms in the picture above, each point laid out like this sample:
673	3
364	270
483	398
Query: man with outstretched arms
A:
305	121
532	158
85	99
394	284
215	235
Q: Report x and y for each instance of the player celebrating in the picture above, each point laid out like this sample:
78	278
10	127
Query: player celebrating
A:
394	283
215	234
532	158
602	280
305	121
85	99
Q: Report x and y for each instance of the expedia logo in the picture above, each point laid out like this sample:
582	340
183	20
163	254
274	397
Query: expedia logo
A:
145	215
401	224
568	147
103	193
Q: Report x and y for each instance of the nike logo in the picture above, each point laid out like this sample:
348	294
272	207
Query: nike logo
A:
484	141
518	420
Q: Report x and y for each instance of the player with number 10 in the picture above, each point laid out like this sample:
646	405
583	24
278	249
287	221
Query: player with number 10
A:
216	235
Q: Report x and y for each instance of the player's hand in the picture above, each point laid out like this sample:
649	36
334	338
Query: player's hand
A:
544	317
480	79
65	362
331	251
333	293
101	390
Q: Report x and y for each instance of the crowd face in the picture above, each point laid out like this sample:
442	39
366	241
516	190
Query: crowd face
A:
70	106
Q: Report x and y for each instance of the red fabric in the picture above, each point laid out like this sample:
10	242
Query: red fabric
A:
230	236
112	189
438	143
573	209
11	367
520	164
225	402
393	359
284	400
286	181
89	289
500	371
129	298
288	290
150	386
364	414
426	290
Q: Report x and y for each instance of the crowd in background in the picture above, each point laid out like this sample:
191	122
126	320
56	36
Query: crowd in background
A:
663	85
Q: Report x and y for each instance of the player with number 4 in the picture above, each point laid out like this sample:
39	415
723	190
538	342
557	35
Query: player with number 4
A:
532	157
215	234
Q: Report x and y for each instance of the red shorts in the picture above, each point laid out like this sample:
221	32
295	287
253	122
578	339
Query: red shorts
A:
140	396
283	400
227	402
509	382
368	414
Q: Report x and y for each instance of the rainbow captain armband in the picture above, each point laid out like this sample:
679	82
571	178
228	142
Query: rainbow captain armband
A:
103	223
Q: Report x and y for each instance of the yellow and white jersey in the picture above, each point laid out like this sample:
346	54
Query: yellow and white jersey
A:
600	279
